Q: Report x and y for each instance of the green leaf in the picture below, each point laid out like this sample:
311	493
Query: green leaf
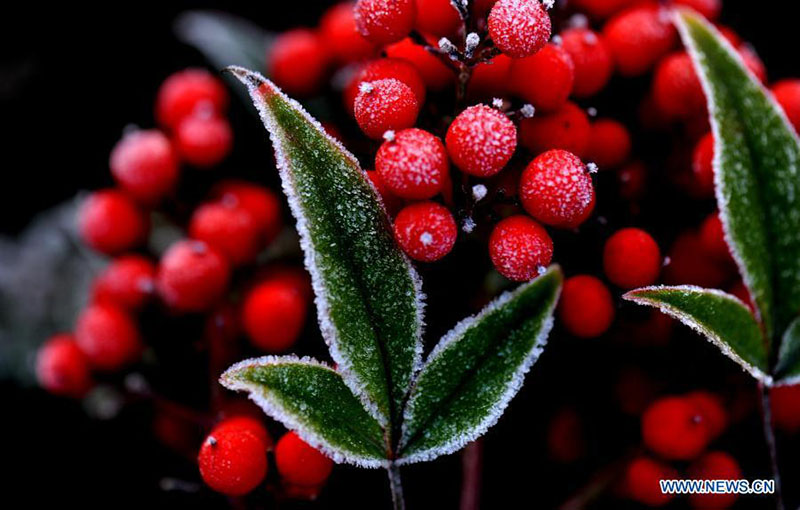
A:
311	399
757	168
475	370
787	371
720	317
369	301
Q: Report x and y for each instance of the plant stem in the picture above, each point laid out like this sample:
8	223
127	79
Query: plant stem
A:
471	467
396	486
769	436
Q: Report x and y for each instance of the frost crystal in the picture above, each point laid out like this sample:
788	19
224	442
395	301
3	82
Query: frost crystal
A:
478	192
527	110
448	47
389	135
498	103
365	87
473	40
591	168
591	111
557	40
549	4
578	21
468	225
426	238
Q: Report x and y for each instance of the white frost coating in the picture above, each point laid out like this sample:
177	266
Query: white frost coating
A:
479	192
389	135
472	42
722	203
591	111
591	167
497	103
448	47
689	321
292	421
365	87
252	81
527	110
468	225
515	384
549	4
557	40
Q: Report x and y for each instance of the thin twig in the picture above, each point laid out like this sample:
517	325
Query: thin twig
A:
769	437
471	474
396	486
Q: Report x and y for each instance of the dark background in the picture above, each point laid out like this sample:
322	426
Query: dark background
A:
71	78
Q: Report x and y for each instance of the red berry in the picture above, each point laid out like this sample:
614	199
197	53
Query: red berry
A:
128	282
631	258
545	79
434	72
565	442
262	204
437	17
703	167
712	238
232	460
566	129
676	87
383	105
586	307
192	276
299	463
642	479
228	228
337	28
385	21
490	79
108	336
426	231
556	189
638	37
714	466
383	68
674	428
204	141
481	141
632	180
786	407
252	424
602	9
413	164
185	92
145	165
708	8
519	28
690	265
111	223
591	59
274	313
787	93
711	409
62	368
519	247
753	62
609	144
391	202
298	61
739	290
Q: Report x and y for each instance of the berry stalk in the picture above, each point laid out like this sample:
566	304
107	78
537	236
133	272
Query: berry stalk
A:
396	486
769	437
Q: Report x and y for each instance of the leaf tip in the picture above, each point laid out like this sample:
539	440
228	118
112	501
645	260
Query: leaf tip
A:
253	80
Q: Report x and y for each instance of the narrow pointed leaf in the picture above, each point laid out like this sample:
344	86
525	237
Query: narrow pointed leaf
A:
788	368
720	317
368	296
757	168
311	399
476	369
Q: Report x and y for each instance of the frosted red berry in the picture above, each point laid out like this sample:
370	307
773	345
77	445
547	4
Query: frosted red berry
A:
674	428
413	164
108	336
609	144
586	308
203	140
111	223
186	92
519	248
298	61
337	28
229	228
384	105
787	93
490	79
545	79
642	481
786	407
519	28
631	258
591	59
274	313
381	69
262	204
145	165
676	88
703	167
481	141
638	37
708	8
437	17
433	71
300	463
192	276
244	421
128	281
556	189
711	409
714	466
385	21
426	231
568	129
232	459
62	368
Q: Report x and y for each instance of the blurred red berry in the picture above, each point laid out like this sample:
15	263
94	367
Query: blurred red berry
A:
385	21
586	308
708	8
631	258
676	87
385	104
412	163
381	69
609	144
128	281
110	222
714	466
690	265
642	479
566	129
481	141
675	428
298	61
186	92
602	9
228	228
787	93
519	28
711	409
490	79
632	180
108	336
274	313
591	60
426	231
337	28
786	407
192	276
739	290
437	17
62	368
204	141
753	62
712	238
527	82
519	248
145	165
433	71
262	204
299	463
703	167
232	460
638	37
565	441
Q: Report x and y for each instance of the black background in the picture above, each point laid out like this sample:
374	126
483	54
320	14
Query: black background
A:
71	78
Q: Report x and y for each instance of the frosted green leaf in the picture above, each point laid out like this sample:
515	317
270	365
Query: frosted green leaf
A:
720	317
787	371
368	297
475	370
757	173
311	399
